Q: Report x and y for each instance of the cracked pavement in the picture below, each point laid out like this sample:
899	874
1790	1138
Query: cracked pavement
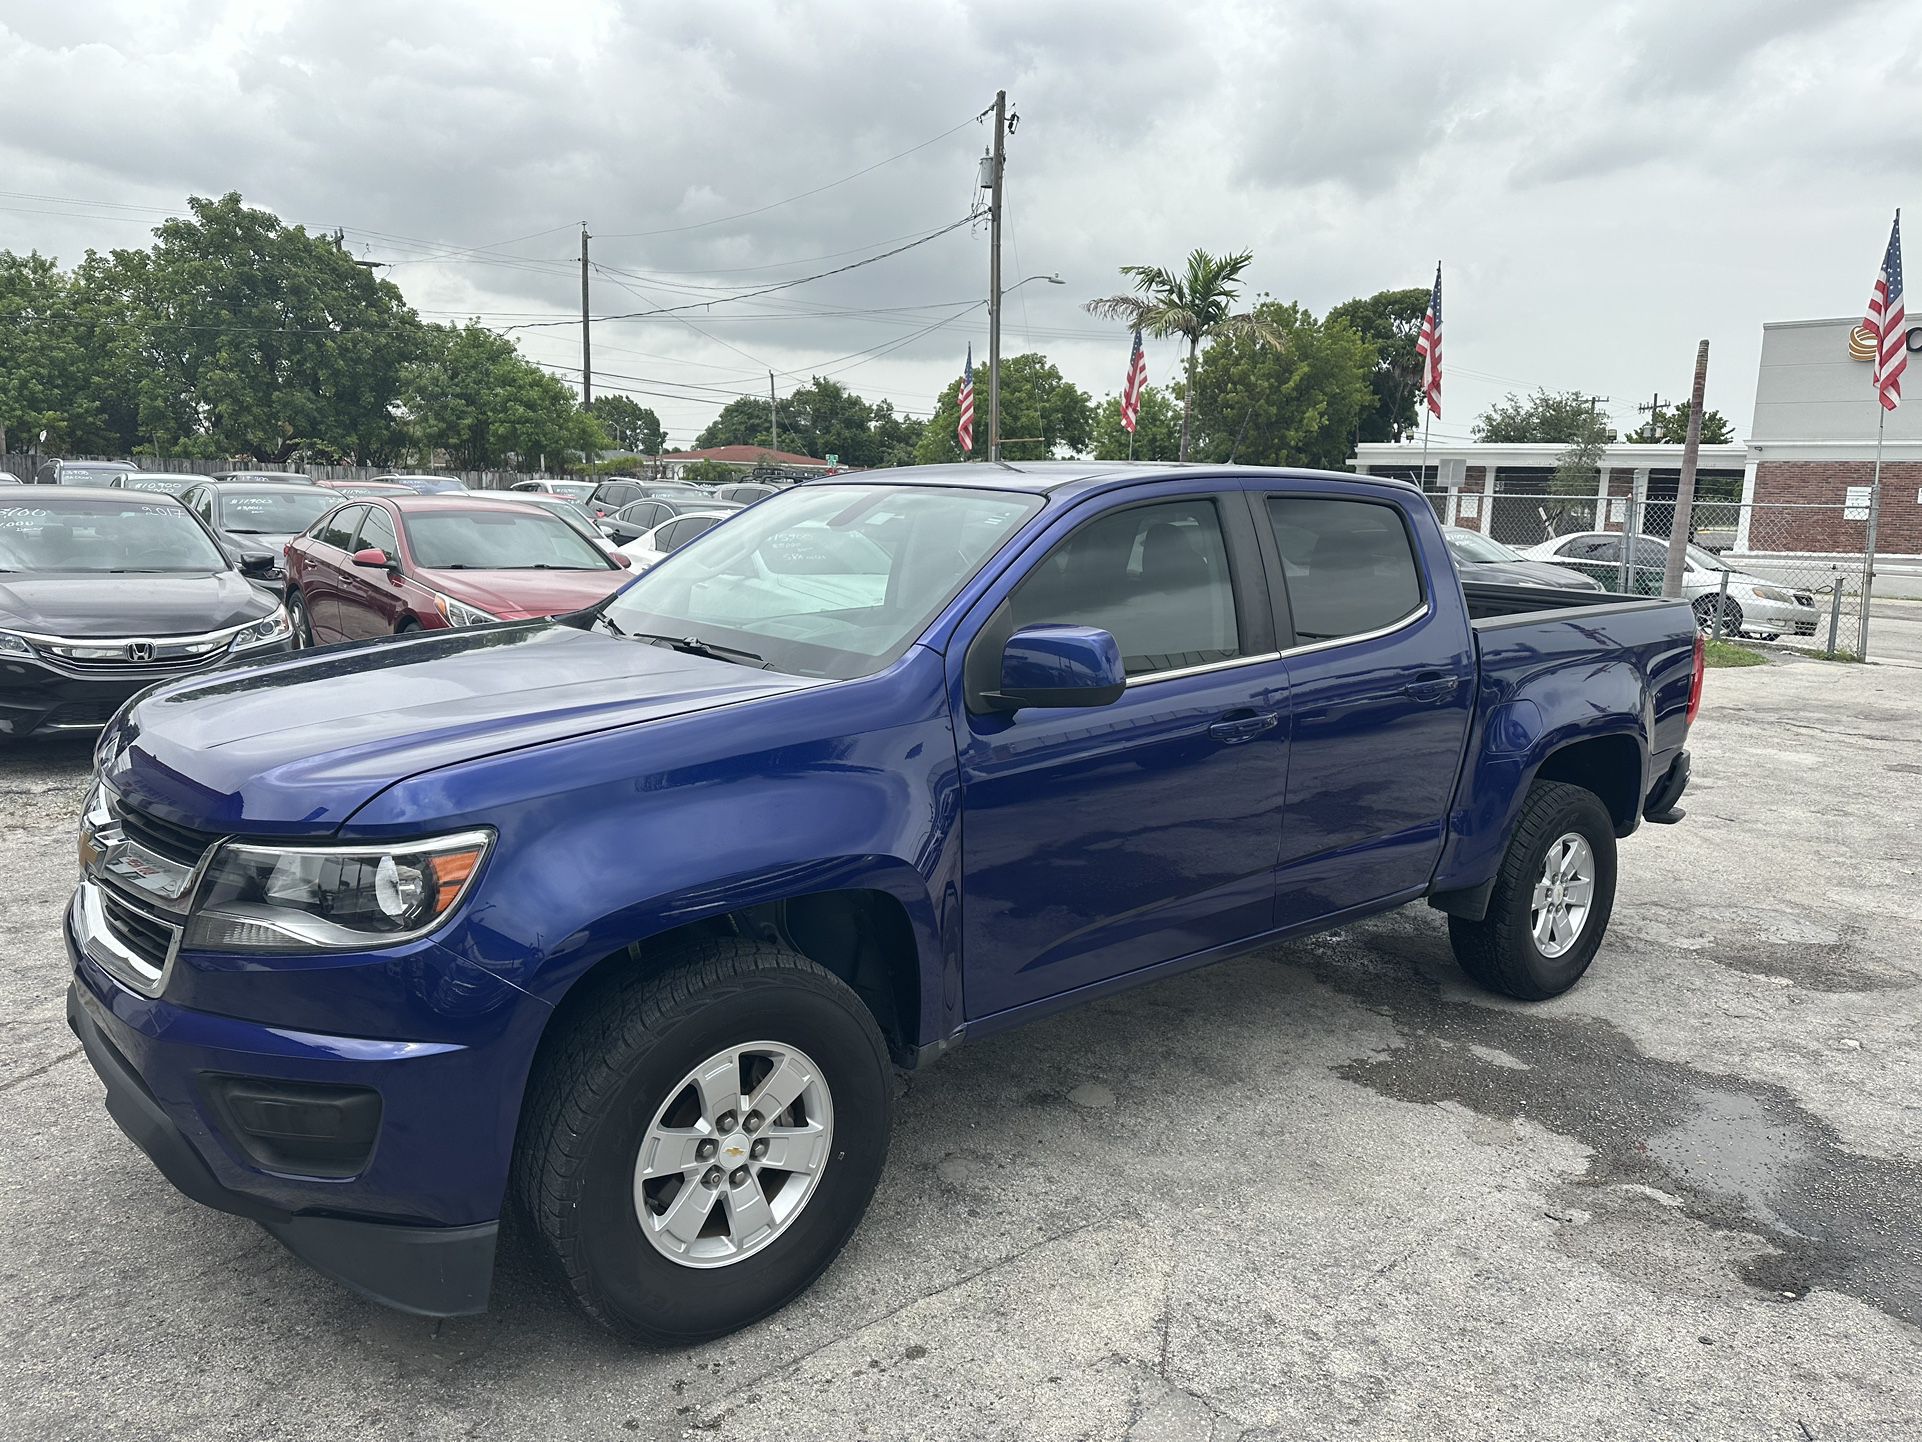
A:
1327	1187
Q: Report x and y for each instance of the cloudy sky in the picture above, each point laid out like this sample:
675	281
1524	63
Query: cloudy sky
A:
1605	184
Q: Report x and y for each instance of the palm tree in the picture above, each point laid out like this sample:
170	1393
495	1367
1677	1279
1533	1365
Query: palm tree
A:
1194	304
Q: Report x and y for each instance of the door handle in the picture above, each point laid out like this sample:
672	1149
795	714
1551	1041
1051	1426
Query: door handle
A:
1431	686
1237	729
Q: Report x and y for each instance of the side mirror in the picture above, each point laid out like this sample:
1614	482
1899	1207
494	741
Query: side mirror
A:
261	566
1059	666
623	560
372	556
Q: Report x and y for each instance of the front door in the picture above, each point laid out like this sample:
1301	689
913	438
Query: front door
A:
370	601
1100	840
1381	682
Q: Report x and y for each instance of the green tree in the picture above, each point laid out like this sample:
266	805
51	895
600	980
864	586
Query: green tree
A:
744	421
238	335
1389	320
1041	409
1544	418
828	419
895	436
1157	434
711	473
1292	403
47	379
1670	425
630	425
1194	304
478	399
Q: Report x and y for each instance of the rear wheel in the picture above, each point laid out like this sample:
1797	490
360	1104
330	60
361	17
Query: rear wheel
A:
298	619
1705	606
1552	898
702	1142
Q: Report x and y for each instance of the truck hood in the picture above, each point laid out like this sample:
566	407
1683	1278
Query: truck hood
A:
294	746
89	604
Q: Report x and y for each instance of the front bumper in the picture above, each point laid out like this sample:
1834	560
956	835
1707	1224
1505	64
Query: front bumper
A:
413	1222
1775	618
38	696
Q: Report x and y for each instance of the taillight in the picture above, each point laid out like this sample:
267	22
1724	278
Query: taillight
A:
1695	682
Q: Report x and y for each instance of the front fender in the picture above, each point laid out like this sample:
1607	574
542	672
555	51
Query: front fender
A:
613	838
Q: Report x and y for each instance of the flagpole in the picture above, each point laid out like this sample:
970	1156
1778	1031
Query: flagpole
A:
1421	476
1875	514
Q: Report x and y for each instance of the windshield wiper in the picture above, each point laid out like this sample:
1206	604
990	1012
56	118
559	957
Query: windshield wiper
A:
691	645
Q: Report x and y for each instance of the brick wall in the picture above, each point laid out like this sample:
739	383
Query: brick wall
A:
1782	488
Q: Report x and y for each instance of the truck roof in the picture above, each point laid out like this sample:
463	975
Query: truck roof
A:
1051	476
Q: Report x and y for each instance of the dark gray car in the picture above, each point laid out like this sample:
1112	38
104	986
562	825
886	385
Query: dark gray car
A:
1480	558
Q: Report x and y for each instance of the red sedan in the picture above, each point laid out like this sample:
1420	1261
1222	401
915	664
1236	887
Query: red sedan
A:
388	565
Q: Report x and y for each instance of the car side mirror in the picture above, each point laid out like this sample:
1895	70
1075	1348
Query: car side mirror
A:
1059	666
623	560
259	566
373	556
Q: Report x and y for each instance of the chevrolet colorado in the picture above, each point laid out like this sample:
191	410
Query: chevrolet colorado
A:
622	918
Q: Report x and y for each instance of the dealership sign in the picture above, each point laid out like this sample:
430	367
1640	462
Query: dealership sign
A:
1862	342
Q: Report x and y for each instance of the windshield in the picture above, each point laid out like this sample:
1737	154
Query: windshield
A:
1706	560
91	475
273	513
502	540
1479	550
833	581
105	537
569	511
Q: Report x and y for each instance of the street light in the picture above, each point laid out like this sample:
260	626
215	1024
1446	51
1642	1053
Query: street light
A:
994	354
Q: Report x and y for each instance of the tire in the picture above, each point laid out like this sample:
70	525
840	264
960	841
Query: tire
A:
407	627
1705	615
300	622
1501	952
629	1052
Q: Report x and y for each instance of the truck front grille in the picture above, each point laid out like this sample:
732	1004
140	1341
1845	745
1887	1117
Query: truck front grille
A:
169	839
147	937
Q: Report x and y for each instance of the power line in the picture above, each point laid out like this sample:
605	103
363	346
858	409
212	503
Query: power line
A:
776	204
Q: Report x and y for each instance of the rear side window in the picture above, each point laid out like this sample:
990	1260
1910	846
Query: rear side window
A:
1154	577
1349	565
337	529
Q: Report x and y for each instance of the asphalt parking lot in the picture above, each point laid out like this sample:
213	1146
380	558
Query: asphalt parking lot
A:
1326	1189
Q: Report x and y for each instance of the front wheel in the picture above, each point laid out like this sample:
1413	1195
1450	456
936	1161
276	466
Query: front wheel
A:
300	622
1552	898
705	1138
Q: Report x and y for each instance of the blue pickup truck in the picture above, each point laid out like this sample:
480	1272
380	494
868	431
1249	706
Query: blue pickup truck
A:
624	919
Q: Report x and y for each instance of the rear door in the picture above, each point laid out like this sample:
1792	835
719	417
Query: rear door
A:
1380	673
324	557
1100	840
371	603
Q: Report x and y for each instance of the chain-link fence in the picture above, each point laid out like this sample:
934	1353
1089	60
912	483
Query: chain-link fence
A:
1790	574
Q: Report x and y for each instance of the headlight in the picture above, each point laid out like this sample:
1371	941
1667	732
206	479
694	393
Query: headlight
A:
1774	593
272	628
94	818
12	645
459	613
270	898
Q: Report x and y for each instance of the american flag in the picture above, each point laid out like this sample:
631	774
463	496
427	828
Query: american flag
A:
1131	388
1885	321
964	429
1428	347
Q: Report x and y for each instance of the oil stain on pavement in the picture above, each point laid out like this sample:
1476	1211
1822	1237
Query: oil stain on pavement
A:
1739	1156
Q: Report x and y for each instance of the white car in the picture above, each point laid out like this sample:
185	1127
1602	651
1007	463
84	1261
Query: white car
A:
1753	606
671	534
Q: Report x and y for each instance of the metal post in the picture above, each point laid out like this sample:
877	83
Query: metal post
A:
1868	550
1678	525
587	344
1721	604
773	416
1835	607
994	275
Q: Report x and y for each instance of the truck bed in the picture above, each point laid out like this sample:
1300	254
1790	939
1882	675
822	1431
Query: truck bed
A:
1491	605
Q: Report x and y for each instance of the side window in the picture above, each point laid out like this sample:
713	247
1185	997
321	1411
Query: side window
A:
337	528
1350	566
1592	548
378	532
1154	577
674	535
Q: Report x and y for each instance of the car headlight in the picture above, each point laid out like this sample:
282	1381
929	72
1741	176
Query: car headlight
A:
1774	593
269	628
12	645
459	613
302	898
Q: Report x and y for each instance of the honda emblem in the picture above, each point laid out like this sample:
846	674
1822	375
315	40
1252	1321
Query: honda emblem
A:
140	652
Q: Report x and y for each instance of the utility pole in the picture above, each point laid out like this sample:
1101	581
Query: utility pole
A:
587	343
999	163
1685	491
773	416
1653	410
